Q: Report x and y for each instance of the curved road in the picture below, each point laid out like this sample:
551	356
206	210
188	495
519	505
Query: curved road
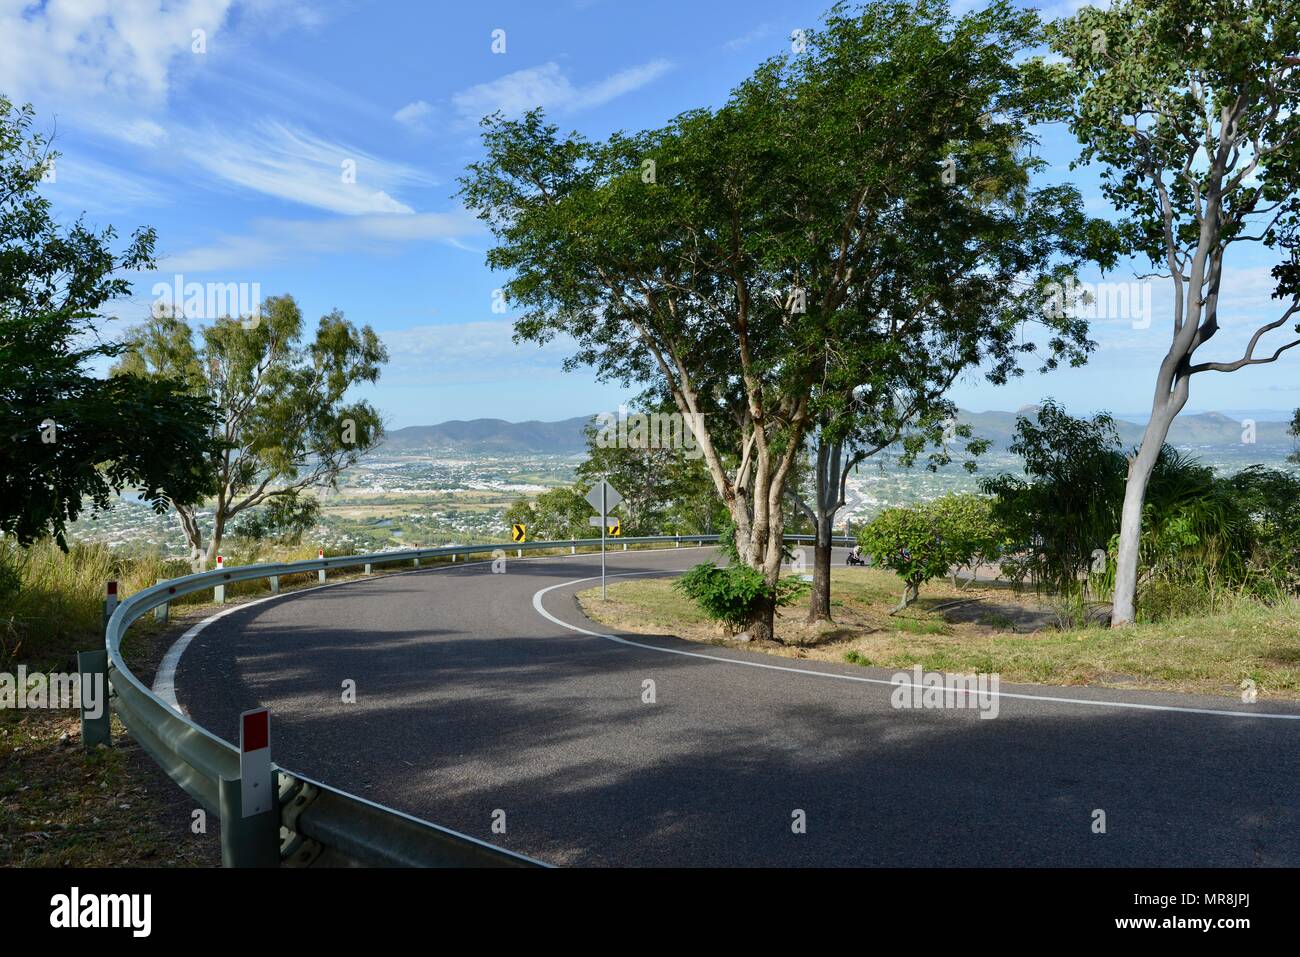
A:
470	701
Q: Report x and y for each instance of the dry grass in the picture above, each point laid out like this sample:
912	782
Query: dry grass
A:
1204	654
62	807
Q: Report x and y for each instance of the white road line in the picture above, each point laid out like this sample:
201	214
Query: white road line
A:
537	604
164	681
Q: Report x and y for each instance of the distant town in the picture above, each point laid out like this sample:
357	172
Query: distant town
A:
452	482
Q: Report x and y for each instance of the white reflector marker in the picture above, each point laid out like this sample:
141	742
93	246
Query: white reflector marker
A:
255	762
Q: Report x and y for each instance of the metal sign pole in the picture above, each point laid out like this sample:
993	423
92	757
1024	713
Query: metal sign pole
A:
604	519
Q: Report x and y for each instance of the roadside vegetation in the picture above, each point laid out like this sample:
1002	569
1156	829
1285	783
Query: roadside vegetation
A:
994	630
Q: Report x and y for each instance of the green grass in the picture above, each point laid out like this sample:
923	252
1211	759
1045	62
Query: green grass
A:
1205	653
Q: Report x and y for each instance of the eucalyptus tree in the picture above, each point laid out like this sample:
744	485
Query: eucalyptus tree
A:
285	424
1191	108
723	259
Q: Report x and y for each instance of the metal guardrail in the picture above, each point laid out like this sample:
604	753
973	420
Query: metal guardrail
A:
319	824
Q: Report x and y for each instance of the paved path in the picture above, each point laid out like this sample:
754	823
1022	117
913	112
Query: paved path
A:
469	700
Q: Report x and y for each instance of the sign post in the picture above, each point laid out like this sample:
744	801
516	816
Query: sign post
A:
602	497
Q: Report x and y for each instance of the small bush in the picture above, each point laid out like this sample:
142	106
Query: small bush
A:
926	541
730	594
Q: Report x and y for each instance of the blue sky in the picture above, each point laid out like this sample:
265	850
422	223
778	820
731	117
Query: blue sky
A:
236	153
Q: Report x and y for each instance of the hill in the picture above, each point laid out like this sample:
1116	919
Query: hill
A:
566	437
492	435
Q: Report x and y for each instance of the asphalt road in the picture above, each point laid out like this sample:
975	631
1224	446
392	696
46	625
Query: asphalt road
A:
469	702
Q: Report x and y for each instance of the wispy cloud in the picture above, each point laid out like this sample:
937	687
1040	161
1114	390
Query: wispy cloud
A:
282	161
280	240
415	116
466	351
760	32
83	184
548	87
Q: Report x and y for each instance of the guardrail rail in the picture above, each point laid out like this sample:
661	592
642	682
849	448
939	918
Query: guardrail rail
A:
319	825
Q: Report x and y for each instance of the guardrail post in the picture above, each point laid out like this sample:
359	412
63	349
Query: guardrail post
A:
519	553
93	692
415	562
367	568
110	600
249	804
320	575
252	841
160	613
275	584
219	591
678	542
573	549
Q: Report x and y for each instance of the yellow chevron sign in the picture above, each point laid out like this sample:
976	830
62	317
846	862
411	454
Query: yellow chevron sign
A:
518	533
617	528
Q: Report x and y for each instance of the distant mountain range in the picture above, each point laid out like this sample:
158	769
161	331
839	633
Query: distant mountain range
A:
492	435
489	436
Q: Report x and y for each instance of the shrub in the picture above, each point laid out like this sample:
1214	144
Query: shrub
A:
922	542
1068	509
966	522
731	593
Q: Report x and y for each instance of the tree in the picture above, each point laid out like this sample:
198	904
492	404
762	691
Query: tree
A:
718	261
69	435
1294	432
558	514
1061	520
868	420
285	423
666	489
1192	108
923	542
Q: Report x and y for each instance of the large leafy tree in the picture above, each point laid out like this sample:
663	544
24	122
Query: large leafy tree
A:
69	436
720	260
1192	110
285	423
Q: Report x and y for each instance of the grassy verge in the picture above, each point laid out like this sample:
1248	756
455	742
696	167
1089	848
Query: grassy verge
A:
994	630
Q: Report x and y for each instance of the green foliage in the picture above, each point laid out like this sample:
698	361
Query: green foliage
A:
968	524
558	514
67	435
1196	538
800	233
283	519
286	422
1202	536
730	594
666	491
1162	85
1058	520
923	542
1271	498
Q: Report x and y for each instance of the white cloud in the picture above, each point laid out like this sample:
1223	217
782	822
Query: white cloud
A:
760	32
413	113
547	86
278	240
85	184
91	47
283	161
